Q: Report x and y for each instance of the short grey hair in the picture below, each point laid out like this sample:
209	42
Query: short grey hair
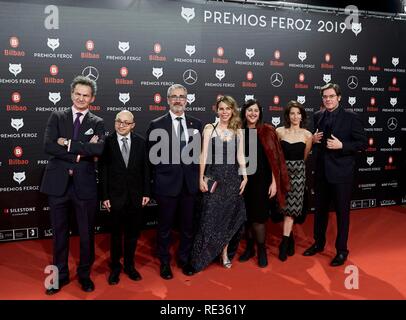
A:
85	81
174	87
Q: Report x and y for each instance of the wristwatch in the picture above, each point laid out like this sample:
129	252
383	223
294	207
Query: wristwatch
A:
66	142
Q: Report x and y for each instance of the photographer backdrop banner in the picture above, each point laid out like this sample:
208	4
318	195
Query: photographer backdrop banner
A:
212	49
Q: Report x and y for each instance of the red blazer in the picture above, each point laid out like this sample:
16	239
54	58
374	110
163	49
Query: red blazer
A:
273	150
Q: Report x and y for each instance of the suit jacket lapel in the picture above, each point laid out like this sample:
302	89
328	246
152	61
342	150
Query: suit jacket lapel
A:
69	123
338	121
85	125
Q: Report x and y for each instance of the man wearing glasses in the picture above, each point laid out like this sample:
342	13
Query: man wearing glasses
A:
175	181
125	186
338	138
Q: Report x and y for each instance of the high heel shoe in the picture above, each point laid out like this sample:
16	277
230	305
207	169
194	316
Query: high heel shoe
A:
225	261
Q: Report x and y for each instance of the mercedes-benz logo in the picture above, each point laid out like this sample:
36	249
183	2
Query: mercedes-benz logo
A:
276	79
190	76
352	82
91	73
392	123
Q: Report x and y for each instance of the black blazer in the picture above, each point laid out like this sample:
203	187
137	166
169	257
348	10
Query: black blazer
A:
120	183
56	176
168	177
339	164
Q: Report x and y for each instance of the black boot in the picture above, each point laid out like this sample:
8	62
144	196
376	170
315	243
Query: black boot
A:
291	245
249	251
262	255
283	248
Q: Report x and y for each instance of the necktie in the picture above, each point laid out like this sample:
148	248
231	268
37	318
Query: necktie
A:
124	151
76	126
181	134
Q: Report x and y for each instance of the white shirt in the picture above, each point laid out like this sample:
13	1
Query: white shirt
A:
74	111
120	142
175	124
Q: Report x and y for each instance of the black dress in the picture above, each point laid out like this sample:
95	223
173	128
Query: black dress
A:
223	212
256	196
294	156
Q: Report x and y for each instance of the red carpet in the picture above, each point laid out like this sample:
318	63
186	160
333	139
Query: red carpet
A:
377	248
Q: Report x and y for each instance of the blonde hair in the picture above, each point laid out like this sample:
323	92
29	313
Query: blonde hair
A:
235	122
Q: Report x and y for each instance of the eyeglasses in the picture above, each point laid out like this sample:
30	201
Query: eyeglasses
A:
173	97
331	96
123	123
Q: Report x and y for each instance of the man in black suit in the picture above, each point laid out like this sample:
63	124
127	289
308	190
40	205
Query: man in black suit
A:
175	176
73	138
125	188
339	136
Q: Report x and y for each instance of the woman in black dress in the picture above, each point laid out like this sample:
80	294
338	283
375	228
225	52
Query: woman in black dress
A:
267	177
223	211
296	143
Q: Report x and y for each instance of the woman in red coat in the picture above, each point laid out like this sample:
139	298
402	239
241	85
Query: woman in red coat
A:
267	177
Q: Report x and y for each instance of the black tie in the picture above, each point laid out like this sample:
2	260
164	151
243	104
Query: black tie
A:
181	134
76	126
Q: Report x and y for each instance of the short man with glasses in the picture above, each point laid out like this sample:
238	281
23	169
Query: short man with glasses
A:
125	186
338	138
73	138
175	181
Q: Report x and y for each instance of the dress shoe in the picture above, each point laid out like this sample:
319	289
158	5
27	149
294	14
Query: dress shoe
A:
339	259
313	250
51	291
87	284
249	251
262	255
133	274
114	278
283	248
165	271
188	270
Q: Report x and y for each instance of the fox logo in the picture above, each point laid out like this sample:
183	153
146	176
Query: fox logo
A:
326	78
395	61
19	177
220	74
190	49
17	123
54	97
356	28
276	121
124	97
191	98
302	55
301	99
15	68
188	14
352	100
370	160
373	80
353	58
249	97
393	101
53	43
123	46
157	72
391	141
372	120
249	53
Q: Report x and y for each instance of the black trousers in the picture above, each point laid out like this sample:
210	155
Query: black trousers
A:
125	229
85	211
340	195
168	208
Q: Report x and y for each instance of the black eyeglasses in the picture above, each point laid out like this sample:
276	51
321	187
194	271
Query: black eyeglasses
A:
123	123
173	97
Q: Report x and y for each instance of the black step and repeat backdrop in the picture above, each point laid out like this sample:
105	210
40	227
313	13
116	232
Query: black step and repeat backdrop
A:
213	49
